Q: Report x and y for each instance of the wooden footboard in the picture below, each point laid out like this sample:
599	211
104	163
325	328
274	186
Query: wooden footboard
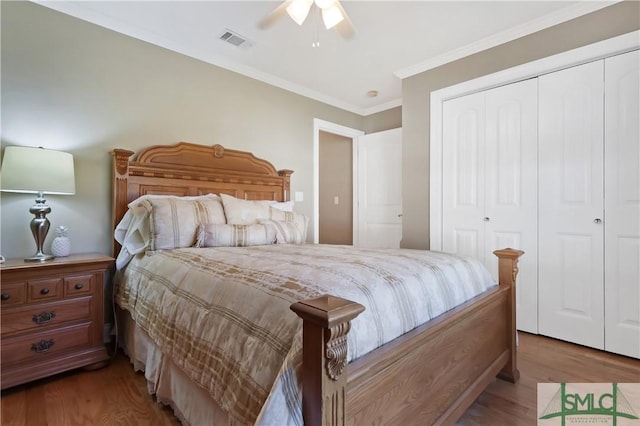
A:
430	375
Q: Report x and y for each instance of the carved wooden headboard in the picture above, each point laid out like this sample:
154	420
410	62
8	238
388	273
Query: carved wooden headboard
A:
190	169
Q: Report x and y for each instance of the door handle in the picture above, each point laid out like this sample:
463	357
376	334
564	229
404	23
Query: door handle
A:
487	219
597	220
399	214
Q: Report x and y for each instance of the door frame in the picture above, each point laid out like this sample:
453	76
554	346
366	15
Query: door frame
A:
599	50
348	132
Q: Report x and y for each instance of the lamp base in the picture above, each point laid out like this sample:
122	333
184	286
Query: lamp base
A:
39	227
39	257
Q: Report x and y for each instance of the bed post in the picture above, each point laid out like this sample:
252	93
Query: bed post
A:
326	322
286	183
507	272
119	190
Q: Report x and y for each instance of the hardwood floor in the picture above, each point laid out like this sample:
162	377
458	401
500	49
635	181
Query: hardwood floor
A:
545	360
115	395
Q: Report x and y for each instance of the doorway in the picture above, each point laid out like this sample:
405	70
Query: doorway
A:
336	189
376	184
348	133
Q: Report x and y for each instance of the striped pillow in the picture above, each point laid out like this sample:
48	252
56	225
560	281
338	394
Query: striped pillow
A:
291	227
286	233
224	235
174	221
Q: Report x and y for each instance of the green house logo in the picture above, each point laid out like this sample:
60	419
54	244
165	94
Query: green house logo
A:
589	403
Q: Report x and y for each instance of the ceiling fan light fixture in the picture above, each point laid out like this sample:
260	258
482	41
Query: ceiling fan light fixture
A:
324	3
332	16
298	10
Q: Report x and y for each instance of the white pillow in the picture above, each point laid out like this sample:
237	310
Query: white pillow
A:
132	232
286	206
245	212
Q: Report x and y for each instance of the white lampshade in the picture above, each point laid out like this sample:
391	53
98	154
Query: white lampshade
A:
299	9
33	170
331	16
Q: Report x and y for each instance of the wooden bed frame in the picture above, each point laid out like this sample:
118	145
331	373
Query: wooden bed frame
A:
430	375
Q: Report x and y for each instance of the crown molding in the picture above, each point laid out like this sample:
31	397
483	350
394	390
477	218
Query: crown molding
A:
381	107
555	18
75	9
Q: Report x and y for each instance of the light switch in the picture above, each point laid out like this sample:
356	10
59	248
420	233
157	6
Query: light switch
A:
298	196
336	200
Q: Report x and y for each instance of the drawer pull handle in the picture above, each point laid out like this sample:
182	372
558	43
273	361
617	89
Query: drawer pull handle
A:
43	317
6	296
79	286
42	346
44	291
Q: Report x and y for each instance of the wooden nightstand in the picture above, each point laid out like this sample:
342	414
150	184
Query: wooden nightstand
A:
52	316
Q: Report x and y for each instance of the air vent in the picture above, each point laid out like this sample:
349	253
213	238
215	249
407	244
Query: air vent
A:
235	39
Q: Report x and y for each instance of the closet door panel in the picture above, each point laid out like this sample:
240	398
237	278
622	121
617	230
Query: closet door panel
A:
622	205
571	270
463	180
511	182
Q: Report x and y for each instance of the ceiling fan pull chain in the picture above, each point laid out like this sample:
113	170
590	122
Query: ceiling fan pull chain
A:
316	29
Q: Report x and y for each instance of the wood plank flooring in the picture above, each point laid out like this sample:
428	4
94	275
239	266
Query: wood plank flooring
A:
545	360
115	395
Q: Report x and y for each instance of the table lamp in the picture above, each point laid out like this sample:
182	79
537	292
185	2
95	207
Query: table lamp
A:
38	171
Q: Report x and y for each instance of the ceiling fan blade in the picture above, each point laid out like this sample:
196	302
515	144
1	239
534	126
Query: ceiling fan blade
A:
345	28
274	15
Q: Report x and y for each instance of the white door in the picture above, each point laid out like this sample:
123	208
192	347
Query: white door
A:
622	205
490	180
379	189
571	272
511	182
463	135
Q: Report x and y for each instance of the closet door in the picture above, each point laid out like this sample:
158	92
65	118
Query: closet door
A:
511	182
489	183
463	176
622	205
571	271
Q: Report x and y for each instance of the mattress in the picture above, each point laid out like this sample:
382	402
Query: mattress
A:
221	315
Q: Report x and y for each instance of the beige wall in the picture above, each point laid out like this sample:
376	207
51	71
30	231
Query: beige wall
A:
614	20
381	121
74	86
336	180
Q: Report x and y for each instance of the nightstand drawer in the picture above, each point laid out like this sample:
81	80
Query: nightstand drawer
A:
13	294
41	290
78	284
45	344
34	317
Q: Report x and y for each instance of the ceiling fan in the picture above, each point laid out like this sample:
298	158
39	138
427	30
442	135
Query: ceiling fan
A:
333	14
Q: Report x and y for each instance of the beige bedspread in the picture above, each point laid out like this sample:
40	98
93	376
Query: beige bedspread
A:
222	314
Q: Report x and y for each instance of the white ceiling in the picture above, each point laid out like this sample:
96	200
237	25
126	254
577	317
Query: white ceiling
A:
394	39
